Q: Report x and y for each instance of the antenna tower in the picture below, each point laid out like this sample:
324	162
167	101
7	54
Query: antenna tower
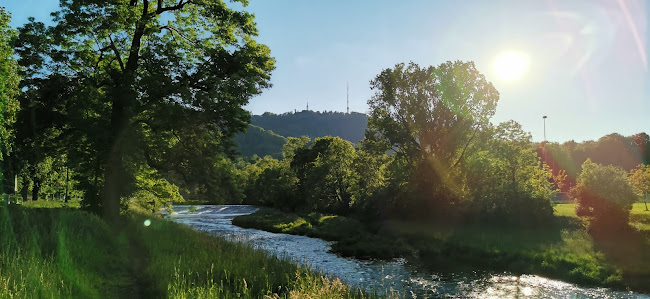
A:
348	97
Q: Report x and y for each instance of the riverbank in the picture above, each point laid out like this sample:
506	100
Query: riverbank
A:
67	253
563	250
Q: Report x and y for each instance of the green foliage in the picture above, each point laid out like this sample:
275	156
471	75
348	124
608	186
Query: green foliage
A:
261	142
8	83
325	174
8	89
640	179
149	83
429	116
615	149
505	180
604	196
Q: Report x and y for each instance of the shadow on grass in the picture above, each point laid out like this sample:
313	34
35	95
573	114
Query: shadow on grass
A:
628	249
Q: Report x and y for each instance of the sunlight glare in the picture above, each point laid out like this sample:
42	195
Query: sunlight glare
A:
510	65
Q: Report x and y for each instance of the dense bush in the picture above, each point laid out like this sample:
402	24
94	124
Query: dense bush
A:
604	197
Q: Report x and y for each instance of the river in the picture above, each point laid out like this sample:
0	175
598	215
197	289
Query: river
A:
397	275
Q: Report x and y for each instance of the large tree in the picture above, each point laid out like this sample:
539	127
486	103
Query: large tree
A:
429	116
148	82
8	87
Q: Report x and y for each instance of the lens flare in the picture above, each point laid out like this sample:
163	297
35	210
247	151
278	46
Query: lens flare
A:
147	222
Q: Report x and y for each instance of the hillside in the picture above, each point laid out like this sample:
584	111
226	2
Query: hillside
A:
261	142
314	124
267	133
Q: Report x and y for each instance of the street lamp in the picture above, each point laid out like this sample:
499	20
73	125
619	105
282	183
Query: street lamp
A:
544	146
544	117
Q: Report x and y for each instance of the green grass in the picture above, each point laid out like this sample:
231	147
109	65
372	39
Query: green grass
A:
49	204
352	237
639	217
48	253
67	253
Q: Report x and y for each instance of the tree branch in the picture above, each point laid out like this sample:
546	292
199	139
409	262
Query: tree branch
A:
116	51
465	148
160	9
174	29
134	51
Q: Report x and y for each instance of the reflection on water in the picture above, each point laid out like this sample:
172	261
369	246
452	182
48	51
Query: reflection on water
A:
383	275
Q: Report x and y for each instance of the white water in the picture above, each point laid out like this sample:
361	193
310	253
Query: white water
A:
384	275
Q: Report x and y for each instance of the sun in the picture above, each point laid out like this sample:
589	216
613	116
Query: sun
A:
510	65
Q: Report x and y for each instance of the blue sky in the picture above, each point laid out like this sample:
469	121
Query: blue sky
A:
587	71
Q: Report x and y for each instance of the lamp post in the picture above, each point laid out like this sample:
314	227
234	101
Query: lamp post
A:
544	117
544	148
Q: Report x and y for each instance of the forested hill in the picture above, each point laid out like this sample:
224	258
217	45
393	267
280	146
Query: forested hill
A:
257	141
267	133
314	124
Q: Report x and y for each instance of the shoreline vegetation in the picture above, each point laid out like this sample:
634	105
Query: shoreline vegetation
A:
68	253
564	250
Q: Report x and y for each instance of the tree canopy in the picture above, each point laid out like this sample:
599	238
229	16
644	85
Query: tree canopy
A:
604	195
8	86
146	82
429	116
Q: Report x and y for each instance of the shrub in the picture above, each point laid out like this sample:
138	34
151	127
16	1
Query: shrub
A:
604	197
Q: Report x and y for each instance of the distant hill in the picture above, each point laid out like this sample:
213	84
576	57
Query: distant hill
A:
314	124
268	131
257	141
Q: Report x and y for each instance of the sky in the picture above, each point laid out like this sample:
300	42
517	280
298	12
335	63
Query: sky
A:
586	60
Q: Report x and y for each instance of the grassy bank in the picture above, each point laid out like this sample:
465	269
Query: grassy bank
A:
67	253
563	250
352	237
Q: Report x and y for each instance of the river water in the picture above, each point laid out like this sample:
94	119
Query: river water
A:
383	276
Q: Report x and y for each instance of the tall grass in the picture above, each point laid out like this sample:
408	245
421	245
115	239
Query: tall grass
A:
66	253
46	253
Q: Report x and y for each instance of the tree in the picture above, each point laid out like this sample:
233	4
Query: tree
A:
325	173
640	180
8	88
429	117
148	79
604	196
506	181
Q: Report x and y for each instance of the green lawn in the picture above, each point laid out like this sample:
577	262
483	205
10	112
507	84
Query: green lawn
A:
639	217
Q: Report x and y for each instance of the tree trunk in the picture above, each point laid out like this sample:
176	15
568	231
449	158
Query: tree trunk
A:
67	181
24	190
111	192
646	201
36	188
114	167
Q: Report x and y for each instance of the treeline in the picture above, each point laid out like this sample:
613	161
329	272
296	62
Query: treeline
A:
435	157
446	160
613	149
